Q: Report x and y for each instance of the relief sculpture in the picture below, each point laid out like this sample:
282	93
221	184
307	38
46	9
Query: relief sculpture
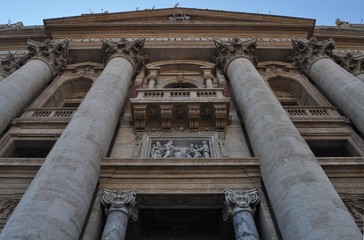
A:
169	150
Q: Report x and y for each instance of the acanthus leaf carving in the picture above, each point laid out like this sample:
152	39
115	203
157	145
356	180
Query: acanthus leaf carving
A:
10	64
351	63
120	201
54	54
239	199
305	53
131	50
229	50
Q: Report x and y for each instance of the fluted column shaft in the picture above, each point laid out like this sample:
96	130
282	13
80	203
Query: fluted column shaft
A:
57	201
19	88
304	201
344	89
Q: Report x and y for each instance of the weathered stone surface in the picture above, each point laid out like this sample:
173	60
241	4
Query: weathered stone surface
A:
66	181
291	174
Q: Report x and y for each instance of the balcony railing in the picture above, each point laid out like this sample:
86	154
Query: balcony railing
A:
49	113
303	111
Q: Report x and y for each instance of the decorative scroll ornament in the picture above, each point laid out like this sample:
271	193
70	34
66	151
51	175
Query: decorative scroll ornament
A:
54	54
179	17
239	199
10	64
229	50
131	50
305	53
351	63
119	200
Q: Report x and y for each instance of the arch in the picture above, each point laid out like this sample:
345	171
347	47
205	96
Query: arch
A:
70	93
192	83
290	92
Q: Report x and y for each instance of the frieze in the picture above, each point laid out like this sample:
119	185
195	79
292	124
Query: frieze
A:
351	63
131	50
54	54
229	50
305	53
192	149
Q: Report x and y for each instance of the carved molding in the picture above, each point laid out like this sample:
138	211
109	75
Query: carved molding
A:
166	117
54	54
179	17
10	64
229	50
120	201
239	199
351	63
140	113
194	116
7	206
305	53
131	50
221	115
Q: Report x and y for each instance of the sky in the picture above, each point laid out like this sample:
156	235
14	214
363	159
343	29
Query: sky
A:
32	12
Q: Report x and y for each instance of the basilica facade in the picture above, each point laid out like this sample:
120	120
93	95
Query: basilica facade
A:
181	124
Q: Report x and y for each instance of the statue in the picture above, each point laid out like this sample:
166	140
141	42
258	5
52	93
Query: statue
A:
168	148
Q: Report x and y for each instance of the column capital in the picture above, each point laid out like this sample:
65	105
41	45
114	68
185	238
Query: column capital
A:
53	54
10	64
229	50
351	63
120	201
305	53
235	200
131	50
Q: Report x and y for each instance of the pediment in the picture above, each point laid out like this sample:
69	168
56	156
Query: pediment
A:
174	20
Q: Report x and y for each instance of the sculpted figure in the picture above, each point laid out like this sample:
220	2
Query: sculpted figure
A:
168	147
157	150
204	149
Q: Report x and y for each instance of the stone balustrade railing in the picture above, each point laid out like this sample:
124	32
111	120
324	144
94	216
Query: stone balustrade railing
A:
302	111
171	94
49	113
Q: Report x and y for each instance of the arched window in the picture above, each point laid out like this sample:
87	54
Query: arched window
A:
290	92
70	93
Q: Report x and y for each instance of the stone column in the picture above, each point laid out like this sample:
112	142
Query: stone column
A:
22	86
305	203
119	206
345	90
57	201
240	206
209	77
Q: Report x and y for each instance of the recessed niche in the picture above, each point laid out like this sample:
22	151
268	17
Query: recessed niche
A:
333	148
28	149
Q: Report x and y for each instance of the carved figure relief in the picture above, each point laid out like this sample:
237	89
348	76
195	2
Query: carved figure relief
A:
169	150
179	17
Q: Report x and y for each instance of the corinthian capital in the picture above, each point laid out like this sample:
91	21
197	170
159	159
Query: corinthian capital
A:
131	50
235	200
54	54
229	50
305	53
10	64
351	63
120	201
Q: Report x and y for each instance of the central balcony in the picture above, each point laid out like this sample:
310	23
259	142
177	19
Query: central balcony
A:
185	108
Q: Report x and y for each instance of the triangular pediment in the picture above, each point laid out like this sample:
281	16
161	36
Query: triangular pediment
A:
174	20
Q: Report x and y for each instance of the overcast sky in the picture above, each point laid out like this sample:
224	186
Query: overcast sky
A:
32	12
